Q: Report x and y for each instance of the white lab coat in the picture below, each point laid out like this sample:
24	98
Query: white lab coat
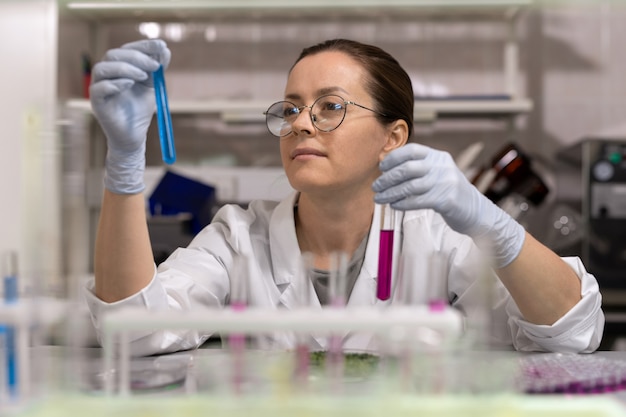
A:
439	261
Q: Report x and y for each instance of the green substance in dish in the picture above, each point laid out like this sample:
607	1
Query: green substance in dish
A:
355	364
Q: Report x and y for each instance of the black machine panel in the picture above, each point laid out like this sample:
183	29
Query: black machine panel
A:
604	211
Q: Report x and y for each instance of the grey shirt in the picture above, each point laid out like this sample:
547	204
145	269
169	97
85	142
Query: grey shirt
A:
321	277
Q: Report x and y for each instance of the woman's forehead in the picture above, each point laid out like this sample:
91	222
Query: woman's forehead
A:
324	72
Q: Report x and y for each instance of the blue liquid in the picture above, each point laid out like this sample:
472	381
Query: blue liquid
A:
385	257
164	118
10	297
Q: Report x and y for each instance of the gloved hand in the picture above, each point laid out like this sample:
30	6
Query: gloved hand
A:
123	102
418	177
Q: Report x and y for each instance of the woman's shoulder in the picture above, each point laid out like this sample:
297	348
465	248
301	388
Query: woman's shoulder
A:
256	210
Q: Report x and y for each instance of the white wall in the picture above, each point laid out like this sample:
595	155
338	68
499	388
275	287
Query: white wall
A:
29	184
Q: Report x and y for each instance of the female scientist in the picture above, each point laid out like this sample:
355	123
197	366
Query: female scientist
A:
343	167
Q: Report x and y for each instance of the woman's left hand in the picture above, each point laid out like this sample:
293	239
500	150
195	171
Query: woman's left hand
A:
418	177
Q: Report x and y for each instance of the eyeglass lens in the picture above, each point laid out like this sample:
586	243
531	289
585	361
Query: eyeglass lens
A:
327	113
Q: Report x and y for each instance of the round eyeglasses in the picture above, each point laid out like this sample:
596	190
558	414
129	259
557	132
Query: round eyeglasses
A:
327	113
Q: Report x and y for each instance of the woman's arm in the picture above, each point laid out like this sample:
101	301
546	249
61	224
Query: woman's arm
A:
542	285
123	263
123	101
418	177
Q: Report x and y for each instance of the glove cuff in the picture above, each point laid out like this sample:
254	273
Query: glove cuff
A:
123	174
503	239
507	247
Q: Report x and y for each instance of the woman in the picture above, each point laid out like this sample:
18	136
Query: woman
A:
344	125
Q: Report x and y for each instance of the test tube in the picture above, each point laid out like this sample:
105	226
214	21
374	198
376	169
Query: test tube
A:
164	118
436	301
337	296
238	302
9	274
304	299
385	252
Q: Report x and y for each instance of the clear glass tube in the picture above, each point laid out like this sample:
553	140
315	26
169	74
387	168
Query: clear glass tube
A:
338	298
436	301
385	252
301	371
238	302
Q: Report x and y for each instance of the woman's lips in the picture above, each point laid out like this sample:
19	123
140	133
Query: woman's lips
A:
306	152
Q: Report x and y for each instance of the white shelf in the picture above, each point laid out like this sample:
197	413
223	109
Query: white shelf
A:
251	111
267	8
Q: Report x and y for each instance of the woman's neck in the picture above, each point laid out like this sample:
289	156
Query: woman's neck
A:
326	225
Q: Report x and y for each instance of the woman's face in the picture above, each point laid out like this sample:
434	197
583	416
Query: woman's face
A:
345	159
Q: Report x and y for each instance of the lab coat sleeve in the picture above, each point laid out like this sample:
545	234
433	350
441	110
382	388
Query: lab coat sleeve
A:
192	277
578	331
147	342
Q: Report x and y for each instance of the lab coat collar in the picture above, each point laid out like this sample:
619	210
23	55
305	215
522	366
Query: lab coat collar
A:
285	253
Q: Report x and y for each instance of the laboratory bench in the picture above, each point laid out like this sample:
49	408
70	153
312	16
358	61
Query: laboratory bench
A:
198	383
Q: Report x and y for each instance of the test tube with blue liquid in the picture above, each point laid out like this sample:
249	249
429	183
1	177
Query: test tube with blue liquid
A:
385	252
164	118
238	302
9	274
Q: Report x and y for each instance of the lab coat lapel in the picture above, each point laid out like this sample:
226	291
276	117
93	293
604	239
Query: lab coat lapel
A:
285	255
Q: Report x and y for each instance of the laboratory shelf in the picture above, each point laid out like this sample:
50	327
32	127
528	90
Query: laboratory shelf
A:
247	9
251	111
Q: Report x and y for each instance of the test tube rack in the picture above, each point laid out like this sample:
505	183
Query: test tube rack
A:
448	323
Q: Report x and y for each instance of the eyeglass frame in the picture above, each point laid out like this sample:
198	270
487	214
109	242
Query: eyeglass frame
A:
311	115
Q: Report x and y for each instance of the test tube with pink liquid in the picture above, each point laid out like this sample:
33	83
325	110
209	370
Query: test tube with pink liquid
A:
385	252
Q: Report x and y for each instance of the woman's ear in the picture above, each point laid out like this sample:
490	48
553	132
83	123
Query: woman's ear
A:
397	136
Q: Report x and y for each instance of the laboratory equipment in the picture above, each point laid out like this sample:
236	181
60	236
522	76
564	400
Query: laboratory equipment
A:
604	215
164	118
337	296
304	298
557	373
385	252
9	274
511	172
253	321
238	303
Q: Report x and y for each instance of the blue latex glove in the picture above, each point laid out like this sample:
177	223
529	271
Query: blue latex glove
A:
418	177
123	102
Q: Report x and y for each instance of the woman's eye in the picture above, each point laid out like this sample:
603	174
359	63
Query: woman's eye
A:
332	106
290	112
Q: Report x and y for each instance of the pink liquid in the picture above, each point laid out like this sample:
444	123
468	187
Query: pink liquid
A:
437	305
302	363
385	257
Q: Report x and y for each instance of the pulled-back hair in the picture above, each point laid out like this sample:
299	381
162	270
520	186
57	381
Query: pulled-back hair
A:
389	84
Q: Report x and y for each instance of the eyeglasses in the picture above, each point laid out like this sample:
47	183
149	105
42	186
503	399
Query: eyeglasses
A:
327	113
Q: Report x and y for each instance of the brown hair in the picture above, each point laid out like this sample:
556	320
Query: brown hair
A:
389	84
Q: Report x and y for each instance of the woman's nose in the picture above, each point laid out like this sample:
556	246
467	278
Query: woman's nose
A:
304	123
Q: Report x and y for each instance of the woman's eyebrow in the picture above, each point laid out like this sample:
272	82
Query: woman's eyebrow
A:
318	93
